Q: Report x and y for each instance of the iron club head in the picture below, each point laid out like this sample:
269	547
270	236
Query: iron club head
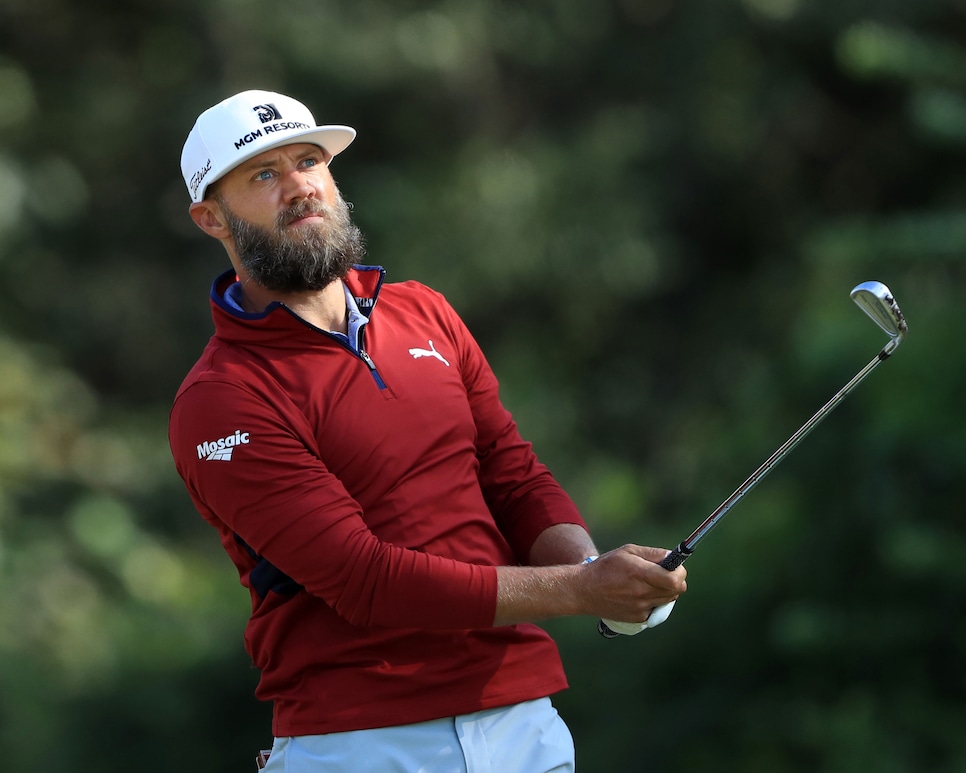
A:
876	300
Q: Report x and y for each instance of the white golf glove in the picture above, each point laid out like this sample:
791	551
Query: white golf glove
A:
658	615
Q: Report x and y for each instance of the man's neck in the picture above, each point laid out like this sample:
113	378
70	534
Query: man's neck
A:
325	309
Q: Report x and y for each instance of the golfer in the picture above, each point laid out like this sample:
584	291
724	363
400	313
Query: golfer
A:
345	437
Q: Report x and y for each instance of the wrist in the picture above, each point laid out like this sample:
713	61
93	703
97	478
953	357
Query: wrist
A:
528	594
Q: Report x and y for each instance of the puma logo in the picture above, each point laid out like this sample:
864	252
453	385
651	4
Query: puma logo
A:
430	352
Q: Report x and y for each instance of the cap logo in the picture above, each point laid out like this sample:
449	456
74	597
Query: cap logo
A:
267	113
269	128
198	177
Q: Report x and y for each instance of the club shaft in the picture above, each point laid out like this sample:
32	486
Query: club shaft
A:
687	547
681	553
875	299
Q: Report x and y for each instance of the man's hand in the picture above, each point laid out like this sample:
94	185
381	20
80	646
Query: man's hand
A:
627	583
623	585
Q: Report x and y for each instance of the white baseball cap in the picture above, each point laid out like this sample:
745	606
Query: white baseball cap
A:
245	125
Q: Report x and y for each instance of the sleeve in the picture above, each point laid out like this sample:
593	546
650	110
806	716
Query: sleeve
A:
521	492
276	495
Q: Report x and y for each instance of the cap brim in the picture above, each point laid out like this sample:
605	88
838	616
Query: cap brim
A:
332	138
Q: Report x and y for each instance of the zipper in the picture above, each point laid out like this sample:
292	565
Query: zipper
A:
361	349
372	368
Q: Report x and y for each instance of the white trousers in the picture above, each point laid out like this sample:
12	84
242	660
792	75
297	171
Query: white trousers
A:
527	737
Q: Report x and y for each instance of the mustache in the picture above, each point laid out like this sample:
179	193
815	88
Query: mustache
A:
300	210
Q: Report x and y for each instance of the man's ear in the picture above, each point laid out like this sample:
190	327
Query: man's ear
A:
209	218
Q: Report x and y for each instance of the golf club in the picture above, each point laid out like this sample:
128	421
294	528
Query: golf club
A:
876	300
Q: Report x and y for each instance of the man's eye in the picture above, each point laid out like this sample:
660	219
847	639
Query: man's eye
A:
310	162
264	175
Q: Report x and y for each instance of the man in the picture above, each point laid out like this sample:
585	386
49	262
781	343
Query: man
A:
346	438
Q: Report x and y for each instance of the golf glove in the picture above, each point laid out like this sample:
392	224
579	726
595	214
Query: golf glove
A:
658	615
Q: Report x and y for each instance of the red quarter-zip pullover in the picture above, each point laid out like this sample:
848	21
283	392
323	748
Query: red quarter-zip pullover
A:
366	499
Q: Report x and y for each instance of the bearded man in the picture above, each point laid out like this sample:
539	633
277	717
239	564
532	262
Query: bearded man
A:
346	438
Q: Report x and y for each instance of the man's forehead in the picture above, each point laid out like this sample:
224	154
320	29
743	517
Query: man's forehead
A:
270	157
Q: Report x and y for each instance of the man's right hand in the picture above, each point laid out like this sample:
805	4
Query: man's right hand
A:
623	585
626	584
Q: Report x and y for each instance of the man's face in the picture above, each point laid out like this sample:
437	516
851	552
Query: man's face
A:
291	228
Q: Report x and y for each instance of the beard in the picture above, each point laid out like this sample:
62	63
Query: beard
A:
306	257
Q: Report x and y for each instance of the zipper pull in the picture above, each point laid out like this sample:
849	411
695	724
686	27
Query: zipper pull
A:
372	368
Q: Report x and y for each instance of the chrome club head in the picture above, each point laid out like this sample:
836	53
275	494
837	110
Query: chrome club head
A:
876	300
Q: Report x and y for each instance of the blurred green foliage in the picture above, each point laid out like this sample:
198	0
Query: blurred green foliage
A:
650	213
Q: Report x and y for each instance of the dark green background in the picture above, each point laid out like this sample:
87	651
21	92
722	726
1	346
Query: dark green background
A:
650	213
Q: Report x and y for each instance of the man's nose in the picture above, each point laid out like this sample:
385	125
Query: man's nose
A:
298	186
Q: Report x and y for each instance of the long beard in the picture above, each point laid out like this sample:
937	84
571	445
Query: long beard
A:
307	257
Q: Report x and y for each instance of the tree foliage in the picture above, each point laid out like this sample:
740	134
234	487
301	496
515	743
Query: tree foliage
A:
650	213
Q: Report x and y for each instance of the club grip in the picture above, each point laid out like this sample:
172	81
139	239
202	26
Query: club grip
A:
675	558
